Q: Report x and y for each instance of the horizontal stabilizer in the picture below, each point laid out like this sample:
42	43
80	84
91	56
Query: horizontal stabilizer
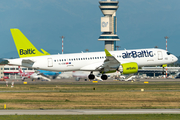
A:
27	61
45	53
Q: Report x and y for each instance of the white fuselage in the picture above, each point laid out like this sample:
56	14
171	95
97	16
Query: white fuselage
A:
91	60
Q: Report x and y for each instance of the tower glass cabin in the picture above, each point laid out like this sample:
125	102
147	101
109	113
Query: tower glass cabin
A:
109	23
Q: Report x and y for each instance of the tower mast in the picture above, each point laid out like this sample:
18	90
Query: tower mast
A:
109	23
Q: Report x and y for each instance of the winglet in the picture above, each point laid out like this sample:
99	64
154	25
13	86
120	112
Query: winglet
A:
24	47
107	53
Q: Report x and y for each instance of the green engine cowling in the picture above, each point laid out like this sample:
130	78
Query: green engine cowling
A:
128	68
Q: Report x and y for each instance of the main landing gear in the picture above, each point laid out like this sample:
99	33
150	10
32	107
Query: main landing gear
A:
92	76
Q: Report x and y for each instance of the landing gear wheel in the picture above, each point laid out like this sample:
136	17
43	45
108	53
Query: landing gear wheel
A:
91	77
104	77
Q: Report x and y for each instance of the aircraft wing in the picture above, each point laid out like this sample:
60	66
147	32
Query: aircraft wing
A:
109	64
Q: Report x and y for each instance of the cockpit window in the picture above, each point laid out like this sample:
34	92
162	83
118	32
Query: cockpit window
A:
168	53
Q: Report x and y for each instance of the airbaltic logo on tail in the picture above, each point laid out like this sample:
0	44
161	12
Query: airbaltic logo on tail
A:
27	51
135	54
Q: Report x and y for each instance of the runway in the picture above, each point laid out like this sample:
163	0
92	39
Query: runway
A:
89	111
72	81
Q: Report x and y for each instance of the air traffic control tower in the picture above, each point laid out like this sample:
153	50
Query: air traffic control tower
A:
109	23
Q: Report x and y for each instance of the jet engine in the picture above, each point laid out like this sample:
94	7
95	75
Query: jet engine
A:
128	68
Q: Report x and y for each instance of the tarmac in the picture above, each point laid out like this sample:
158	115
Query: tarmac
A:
73	81
89	111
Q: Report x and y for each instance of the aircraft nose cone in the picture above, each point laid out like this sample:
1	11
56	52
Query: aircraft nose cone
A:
176	59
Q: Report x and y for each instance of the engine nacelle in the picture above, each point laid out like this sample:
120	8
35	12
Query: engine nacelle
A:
128	68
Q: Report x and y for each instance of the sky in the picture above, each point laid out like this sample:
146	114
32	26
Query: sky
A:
141	24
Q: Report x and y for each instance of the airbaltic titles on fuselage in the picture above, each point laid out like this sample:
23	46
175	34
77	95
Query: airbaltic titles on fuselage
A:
139	54
131	54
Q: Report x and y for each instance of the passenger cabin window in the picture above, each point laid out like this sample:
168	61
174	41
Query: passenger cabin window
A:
24	68
12	68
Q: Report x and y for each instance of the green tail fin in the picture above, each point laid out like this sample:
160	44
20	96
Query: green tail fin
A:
24	47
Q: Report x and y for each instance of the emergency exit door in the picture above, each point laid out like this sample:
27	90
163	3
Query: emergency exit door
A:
160	55
50	62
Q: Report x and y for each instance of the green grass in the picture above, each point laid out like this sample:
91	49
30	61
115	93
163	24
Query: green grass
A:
125	95
102	86
92	117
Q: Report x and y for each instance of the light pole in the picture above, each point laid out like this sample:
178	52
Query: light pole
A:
118	47
166	41
166	50
62	44
87	50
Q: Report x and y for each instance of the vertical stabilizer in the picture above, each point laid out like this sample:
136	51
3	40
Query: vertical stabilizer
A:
20	71
24	47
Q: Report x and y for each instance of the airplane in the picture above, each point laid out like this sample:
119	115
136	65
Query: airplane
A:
84	75
24	75
49	74
78	75
125	61
38	76
31	75
65	75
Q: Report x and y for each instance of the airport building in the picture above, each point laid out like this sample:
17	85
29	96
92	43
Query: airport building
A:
109	23
9	71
